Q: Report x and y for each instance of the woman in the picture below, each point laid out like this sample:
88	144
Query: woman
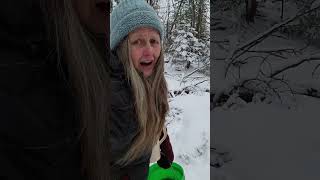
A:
139	93
53	92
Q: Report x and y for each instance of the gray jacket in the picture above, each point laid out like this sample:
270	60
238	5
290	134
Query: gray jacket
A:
123	127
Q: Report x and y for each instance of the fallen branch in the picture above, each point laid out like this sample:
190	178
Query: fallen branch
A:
293	65
194	71
259	38
274	28
307	94
315	70
285	50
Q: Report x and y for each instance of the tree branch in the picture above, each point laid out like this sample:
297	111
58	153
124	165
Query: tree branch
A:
259	38
293	65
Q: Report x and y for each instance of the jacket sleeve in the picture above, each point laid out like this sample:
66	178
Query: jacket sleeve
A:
8	171
166	148
8	151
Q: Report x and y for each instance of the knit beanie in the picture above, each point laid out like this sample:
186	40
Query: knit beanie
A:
129	15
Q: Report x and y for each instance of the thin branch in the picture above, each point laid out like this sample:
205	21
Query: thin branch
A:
294	65
259	38
307	94
315	70
286	50
265	34
194	71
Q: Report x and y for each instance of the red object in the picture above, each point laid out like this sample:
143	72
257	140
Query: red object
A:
166	148
126	177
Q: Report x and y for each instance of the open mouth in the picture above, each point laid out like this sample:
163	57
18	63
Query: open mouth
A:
145	63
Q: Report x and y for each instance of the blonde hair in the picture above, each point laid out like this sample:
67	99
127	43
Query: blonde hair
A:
89	82
150	100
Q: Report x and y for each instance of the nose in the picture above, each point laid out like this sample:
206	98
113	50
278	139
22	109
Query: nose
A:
147	50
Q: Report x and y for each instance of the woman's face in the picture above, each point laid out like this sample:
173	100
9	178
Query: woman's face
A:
144	49
94	14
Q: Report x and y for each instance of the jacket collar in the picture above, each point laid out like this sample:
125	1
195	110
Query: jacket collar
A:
116	67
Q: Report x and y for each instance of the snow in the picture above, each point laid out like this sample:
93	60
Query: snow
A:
188	120
188	123
269	141
254	62
190	135
184	53
315	4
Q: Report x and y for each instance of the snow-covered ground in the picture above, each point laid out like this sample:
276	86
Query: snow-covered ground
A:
269	140
188	124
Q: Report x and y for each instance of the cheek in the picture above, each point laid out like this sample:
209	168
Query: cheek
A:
135	57
157	52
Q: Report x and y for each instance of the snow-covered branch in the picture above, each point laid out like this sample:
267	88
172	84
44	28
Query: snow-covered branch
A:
293	64
249	44
244	48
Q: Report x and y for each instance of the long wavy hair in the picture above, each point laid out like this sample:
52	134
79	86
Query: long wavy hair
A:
86	72
150	100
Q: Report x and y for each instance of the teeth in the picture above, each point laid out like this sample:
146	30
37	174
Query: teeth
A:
146	61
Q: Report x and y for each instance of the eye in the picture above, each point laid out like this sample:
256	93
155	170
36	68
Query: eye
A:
154	41
136	42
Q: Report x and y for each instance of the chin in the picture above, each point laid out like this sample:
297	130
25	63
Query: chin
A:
148	74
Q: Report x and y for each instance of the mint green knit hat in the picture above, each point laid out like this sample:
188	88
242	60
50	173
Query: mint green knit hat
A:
129	15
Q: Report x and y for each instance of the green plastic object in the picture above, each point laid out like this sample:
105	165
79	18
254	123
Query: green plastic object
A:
175	172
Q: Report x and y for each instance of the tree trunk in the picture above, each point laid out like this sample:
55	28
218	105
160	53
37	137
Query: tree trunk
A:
200	18
193	13
282	6
251	10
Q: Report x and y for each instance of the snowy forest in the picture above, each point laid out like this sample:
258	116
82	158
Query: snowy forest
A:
258	52
186	45
265	89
